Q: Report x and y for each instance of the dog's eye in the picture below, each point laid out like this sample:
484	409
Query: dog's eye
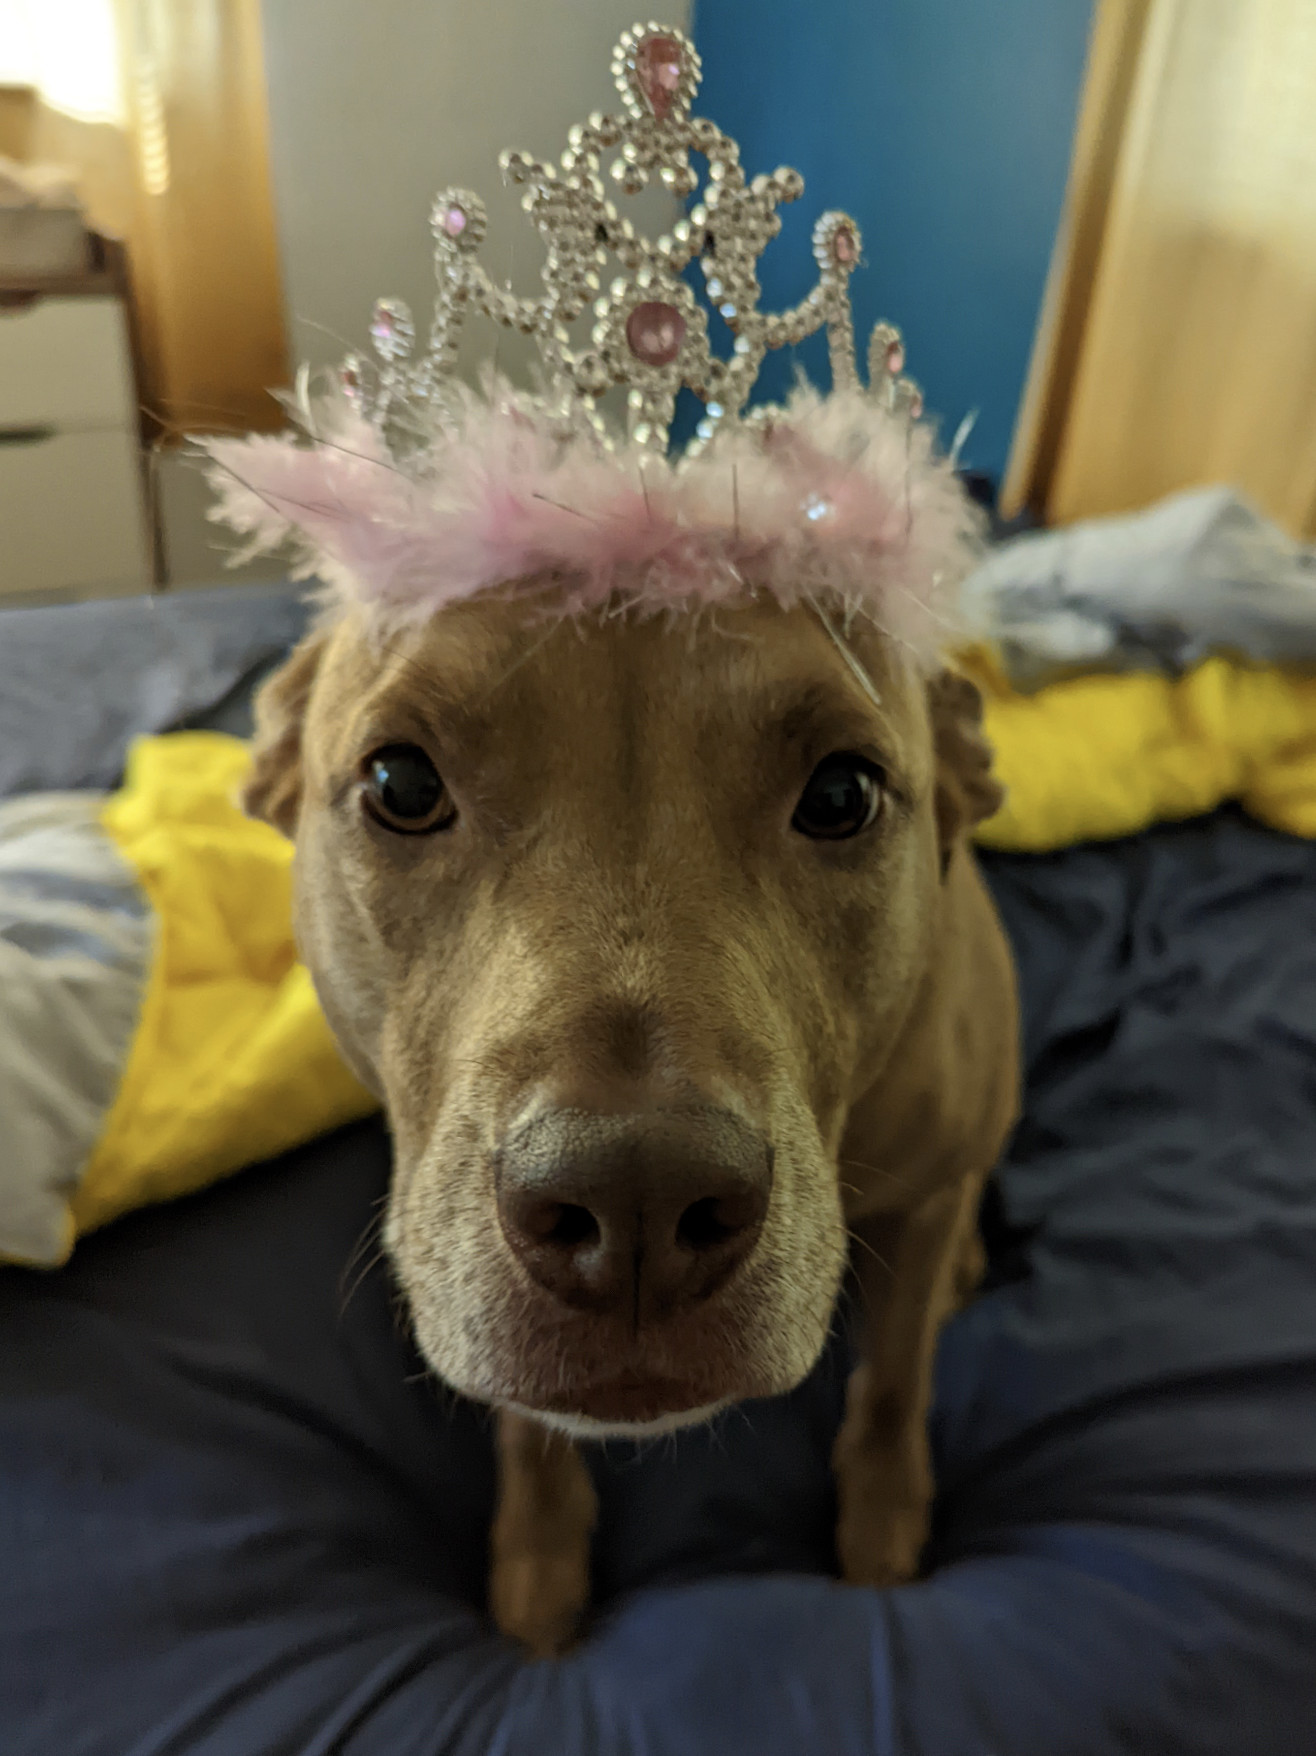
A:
843	798
402	789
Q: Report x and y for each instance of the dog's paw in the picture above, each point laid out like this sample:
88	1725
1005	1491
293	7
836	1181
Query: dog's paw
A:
540	1599
884	1488
881	1544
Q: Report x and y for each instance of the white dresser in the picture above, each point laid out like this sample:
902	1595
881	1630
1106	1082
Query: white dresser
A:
73	514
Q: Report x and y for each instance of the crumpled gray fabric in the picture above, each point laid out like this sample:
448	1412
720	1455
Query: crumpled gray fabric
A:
77	934
78	682
1199	573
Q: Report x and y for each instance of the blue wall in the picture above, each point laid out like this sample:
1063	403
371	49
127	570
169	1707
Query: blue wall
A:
944	127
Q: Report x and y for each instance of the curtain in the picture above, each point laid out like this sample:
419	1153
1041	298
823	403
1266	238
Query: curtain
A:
1178	344
202	236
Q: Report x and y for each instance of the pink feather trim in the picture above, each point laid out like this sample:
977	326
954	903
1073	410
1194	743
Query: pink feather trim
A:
837	499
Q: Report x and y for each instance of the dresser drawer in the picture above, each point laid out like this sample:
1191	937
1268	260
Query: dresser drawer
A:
66	363
72	516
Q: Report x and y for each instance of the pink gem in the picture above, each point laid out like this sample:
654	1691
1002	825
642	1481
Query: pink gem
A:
654	332
895	357
349	376
658	65
844	248
453	220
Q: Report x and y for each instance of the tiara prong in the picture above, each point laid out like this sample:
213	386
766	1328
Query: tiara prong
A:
648	333
657	72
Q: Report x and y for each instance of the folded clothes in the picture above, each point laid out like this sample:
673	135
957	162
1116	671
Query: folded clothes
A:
1198	574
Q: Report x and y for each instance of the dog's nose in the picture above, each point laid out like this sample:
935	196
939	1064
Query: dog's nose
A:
643	1213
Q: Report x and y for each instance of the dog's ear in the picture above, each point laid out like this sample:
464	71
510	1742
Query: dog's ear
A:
967	791
273	790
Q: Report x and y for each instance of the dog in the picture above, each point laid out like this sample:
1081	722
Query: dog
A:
661	941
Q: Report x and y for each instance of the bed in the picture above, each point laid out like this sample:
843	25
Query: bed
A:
237	1518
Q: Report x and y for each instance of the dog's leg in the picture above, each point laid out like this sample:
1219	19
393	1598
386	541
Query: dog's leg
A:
540	1543
908	1266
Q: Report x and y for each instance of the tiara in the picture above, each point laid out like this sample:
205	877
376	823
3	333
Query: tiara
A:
650	334
405	489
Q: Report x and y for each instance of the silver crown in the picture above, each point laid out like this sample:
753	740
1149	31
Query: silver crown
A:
650	333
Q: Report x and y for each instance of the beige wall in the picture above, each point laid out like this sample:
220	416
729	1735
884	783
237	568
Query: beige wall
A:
377	104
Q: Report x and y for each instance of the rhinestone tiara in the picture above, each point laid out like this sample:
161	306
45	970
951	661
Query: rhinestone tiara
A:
650	333
405	489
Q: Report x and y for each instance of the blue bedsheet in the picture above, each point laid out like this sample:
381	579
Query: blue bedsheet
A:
236	1519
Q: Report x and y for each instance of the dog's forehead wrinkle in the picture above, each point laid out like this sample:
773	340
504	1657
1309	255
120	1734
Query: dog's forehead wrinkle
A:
770	688
433	694
795	712
450	669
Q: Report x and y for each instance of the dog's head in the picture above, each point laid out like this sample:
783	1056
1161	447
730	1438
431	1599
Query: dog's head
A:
619	916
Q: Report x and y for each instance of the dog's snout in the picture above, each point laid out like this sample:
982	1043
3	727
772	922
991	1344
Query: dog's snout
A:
646	1213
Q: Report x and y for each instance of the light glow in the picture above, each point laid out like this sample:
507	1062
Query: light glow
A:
68	51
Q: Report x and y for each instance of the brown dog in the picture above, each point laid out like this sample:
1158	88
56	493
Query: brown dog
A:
680	974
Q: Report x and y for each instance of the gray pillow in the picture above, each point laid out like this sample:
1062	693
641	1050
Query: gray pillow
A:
78	682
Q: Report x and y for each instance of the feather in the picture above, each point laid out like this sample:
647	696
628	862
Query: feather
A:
837	498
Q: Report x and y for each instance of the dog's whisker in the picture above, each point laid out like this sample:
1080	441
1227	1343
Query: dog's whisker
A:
324	329
366	1252
364	1245
865	1245
361	456
525	657
235	427
563	507
861	675
367	1269
855	1164
742	1414
276	506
